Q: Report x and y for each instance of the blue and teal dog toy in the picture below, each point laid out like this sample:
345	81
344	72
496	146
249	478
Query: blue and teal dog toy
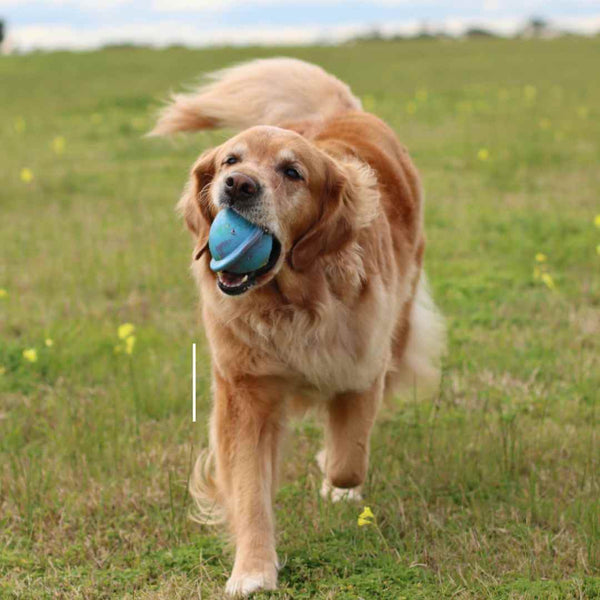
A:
236	245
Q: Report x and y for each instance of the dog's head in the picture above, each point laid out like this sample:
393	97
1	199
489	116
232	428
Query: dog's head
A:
278	180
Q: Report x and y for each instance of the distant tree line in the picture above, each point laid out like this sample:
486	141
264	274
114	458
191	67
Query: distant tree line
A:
536	27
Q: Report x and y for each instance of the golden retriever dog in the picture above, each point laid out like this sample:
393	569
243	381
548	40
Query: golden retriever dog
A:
339	317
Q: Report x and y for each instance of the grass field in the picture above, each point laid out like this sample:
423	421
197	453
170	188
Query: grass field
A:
490	490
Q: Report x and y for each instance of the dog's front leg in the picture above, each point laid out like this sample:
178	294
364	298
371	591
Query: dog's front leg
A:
247	426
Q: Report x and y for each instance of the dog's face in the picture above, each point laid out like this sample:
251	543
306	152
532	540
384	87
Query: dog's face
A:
281	182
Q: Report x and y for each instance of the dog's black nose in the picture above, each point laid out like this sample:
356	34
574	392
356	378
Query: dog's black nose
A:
239	186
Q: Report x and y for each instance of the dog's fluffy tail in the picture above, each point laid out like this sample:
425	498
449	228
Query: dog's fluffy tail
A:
418	370
207	508
269	91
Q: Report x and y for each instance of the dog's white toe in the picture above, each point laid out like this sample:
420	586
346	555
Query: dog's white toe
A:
242	585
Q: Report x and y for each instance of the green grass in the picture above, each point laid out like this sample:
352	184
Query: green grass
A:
490	490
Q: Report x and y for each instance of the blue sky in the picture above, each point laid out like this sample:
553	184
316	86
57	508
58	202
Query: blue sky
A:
89	23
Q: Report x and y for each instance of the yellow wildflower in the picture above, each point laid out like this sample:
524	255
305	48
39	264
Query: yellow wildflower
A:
30	355
544	124
3	293
421	95
411	107
129	344
20	125
367	513
598	249
125	330
530	93
49	343
547	279
597	221
366	517
483	154
26	175
583	112
541	257
482	106
58	144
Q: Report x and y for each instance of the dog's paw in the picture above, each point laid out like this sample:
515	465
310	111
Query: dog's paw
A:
320	458
242	584
335	494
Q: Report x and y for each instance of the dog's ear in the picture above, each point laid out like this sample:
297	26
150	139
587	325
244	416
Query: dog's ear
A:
333	229
194	205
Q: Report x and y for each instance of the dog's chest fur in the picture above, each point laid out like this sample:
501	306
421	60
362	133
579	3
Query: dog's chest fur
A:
332	351
323	346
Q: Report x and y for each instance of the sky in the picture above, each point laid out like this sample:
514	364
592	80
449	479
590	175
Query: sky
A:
86	24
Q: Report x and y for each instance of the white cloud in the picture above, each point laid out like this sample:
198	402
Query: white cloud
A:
164	6
491	5
96	5
586	25
222	5
483	5
164	33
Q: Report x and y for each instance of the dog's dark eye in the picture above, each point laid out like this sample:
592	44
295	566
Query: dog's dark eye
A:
292	173
231	160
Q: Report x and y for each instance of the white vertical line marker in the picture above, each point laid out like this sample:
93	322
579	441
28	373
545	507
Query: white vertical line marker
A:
193	383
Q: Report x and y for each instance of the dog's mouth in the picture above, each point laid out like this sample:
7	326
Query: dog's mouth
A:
234	284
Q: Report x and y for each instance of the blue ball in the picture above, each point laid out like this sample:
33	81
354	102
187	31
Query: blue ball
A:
236	245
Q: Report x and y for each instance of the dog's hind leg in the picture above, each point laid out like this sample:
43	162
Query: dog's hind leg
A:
344	461
330	492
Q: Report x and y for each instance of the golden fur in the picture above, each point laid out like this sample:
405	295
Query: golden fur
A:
342	318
